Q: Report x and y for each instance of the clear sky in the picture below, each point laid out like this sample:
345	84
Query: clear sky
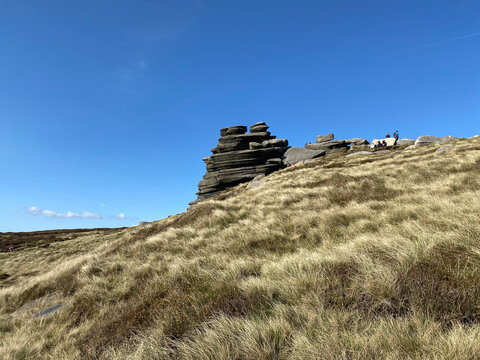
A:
108	106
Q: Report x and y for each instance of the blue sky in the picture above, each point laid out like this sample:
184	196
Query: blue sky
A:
107	107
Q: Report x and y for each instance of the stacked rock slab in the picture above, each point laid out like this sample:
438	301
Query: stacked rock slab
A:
329	145
240	157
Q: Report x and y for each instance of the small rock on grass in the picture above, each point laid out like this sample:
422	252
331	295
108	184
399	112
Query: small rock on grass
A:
444	148
49	311
256	182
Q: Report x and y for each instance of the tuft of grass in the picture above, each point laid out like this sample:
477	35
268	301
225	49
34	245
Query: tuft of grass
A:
344	190
443	284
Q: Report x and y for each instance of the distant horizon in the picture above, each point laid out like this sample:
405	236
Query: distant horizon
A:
48	213
140	221
107	109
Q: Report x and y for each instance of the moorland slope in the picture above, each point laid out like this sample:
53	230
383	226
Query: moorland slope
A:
341	258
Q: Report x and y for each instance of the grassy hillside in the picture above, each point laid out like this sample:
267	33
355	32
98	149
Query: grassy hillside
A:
358	258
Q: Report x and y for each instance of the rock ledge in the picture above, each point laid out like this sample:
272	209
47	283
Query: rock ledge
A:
240	157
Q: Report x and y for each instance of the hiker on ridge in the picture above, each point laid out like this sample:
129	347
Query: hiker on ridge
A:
388	135
395	135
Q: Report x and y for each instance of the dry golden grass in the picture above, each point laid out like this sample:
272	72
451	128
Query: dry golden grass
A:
360	258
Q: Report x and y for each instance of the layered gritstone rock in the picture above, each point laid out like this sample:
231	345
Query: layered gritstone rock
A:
240	157
328	144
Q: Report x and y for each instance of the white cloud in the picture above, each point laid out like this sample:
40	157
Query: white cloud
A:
89	215
33	210
50	214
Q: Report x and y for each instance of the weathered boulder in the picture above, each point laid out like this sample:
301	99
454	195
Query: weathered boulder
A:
411	147
255	145
240	157
324	138
405	142
233	130
450	138
444	148
427	140
258	127
282	143
296	154
230	143
389	141
357	141
256	182
269	144
327	145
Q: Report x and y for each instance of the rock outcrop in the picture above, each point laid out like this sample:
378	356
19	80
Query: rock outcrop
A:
358	144
428	139
325	138
296	154
240	157
405	142
329	145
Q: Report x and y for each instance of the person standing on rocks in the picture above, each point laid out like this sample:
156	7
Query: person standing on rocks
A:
388	135
395	135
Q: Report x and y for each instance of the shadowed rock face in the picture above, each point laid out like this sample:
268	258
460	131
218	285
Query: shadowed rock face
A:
240	157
